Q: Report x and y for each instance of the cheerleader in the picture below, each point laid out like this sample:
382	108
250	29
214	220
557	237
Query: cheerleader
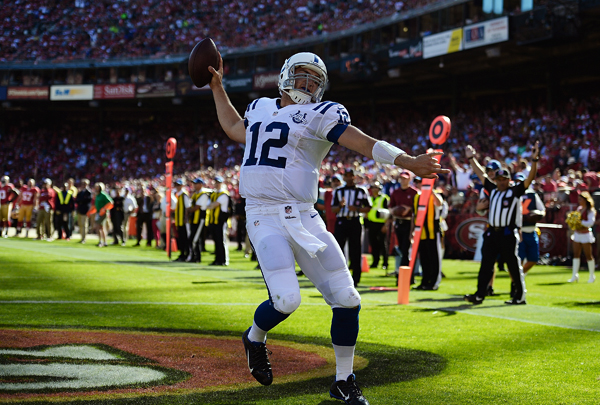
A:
582	237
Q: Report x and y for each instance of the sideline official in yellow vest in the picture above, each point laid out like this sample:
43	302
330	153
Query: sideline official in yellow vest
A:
181	219
217	220
197	216
65	205
430	243
376	224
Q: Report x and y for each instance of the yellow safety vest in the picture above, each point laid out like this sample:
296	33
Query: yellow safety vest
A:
431	225
180	209
199	214
377	205
213	216
62	200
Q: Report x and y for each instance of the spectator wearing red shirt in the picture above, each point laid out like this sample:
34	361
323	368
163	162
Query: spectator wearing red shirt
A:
401	202
46	203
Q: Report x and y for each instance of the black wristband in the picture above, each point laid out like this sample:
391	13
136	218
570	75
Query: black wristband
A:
535	160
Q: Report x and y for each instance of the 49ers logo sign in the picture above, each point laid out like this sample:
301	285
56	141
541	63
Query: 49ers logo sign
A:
469	231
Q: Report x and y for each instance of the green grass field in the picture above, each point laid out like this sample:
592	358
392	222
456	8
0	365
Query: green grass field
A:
437	350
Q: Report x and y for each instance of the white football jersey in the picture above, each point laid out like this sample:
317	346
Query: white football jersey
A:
285	148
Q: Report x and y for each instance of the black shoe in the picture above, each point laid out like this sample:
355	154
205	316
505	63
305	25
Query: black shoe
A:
299	273
137	244
419	287
217	264
473	298
180	259
514	301
258	360
348	392
490	291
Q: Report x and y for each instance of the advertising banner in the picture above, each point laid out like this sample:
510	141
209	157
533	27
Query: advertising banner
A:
489	32
442	43
238	83
113	91
405	52
150	90
266	81
28	93
72	92
187	88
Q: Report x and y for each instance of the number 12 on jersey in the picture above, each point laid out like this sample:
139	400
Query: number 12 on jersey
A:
264	160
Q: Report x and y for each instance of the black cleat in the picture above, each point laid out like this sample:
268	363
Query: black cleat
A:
490	291
258	360
514	301
473	298
348	392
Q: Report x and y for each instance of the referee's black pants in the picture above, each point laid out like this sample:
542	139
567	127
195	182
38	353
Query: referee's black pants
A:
195	240
350	229
402	228
378	242
430	261
503	242
182	242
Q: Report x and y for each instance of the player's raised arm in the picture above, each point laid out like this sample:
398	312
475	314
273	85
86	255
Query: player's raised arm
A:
425	165
230	120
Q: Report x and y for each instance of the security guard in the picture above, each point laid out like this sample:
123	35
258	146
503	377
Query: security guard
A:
348	203
501	236
376	224
197	216
183	204
217	221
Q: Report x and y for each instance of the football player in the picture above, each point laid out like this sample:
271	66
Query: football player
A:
8	194
286	140
27	203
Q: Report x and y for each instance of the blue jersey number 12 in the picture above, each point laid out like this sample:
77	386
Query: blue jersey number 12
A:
284	131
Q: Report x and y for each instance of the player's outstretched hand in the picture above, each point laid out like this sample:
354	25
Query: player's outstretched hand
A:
425	166
470	152
217	79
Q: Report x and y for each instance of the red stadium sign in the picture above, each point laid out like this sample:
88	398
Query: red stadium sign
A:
113	91
28	93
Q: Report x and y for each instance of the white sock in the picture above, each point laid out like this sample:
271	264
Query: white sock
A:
592	268
576	264
344	362
256	334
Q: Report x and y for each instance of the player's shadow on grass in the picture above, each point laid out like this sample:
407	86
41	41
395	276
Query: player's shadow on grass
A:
552	284
387	365
580	304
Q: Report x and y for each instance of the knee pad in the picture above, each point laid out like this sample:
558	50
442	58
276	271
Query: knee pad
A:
286	302
347	297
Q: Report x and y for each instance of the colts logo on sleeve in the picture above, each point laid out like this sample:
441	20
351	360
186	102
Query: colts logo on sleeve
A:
299	118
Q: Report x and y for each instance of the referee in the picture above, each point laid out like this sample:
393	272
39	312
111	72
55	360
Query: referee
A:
502	234
348	203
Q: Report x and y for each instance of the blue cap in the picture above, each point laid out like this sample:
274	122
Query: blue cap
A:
198	180
337	177
493	165
519	177
219	179
179	182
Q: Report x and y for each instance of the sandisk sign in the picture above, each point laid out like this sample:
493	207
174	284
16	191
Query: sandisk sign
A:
74	92
107	91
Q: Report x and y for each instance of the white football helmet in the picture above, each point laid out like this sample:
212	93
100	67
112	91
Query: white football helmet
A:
288	77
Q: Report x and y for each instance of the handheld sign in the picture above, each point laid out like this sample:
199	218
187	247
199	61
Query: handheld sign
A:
171	148
438	134
439	130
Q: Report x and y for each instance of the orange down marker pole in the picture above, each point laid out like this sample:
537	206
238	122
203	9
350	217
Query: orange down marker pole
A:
438	133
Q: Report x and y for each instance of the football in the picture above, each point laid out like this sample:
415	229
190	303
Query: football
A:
203	55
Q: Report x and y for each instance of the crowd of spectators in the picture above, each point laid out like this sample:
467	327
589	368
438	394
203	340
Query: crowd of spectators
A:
41	30
123	150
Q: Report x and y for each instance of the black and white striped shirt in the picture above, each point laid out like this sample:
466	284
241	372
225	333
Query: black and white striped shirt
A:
505	206
355	196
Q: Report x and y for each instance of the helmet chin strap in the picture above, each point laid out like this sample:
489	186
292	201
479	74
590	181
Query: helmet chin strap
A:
299	96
